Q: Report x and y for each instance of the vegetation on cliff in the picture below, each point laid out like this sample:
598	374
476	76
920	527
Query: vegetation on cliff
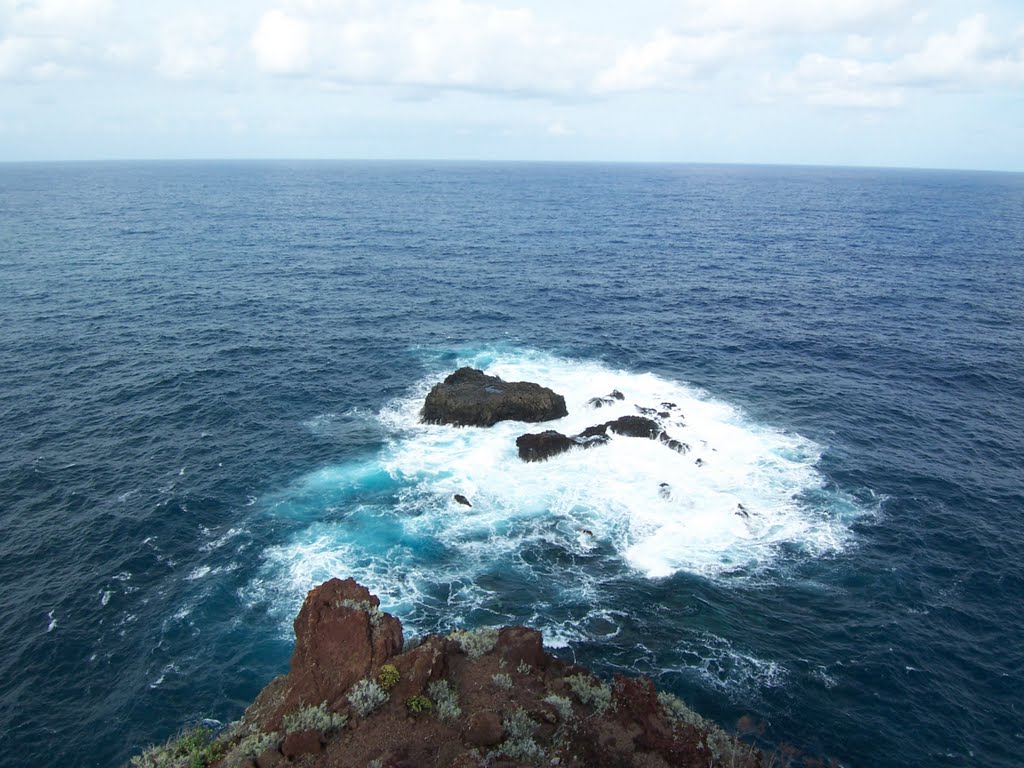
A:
491	697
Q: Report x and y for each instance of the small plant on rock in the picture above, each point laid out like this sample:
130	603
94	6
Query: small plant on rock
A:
314	719
375	614
562	706
194	748
476	642
367	696
519	743
675	709
591	692
418	704
502	681
446	700
388	677
249	748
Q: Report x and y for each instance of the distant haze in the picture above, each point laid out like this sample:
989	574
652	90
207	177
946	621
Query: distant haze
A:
918	83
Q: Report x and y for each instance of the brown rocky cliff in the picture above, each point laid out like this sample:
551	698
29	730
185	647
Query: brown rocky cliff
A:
354	698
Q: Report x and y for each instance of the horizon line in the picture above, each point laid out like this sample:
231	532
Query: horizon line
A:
493	161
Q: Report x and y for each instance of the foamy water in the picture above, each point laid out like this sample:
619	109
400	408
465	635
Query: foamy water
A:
745	496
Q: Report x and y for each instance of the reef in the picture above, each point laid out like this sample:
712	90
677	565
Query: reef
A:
357	696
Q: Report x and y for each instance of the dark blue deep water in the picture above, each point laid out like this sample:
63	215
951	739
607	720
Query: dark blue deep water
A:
208	377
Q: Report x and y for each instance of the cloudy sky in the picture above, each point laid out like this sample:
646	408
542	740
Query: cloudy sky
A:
921	83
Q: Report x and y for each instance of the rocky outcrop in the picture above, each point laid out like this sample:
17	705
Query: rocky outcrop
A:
543	445
609	399
485	697
471	398
340	637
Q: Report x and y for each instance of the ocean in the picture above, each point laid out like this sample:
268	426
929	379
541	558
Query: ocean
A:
210	376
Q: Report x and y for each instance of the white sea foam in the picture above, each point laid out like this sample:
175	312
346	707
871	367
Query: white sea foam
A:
742	509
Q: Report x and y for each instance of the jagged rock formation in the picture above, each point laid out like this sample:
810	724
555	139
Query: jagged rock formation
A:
353	698
471	398
543	445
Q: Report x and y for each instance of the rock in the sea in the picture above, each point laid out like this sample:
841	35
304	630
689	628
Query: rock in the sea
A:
471	398
675	445
609	399
635	426
462	500
541	446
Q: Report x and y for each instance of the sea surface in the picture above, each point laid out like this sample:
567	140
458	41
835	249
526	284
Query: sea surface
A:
210	376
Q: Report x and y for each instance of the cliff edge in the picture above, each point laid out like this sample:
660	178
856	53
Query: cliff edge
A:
353	697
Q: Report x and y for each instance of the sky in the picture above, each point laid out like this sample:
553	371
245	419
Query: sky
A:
906	83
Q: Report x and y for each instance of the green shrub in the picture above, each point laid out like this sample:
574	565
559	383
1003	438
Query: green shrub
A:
591	692
476	642
249	748
193	748
562	706
367	696
388	677
418	704
446	700
519	743
524	668
676	709
502	681
314	719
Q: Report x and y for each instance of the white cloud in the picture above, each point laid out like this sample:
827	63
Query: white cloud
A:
281	43
438	43
845	16
47	17
190	47
48	39
970	57
560	128
667	60
858	45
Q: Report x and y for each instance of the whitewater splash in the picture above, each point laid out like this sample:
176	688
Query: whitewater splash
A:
745	497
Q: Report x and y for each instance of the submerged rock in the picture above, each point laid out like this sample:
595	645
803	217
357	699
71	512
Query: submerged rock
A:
609	399
471	398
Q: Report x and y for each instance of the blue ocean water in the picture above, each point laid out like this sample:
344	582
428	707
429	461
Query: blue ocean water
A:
209	375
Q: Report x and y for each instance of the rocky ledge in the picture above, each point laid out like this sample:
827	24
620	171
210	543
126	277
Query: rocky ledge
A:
487	697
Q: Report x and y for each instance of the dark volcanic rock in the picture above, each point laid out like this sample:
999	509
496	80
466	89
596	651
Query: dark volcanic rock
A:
462	500
471	398
635	426
600	402
541	446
